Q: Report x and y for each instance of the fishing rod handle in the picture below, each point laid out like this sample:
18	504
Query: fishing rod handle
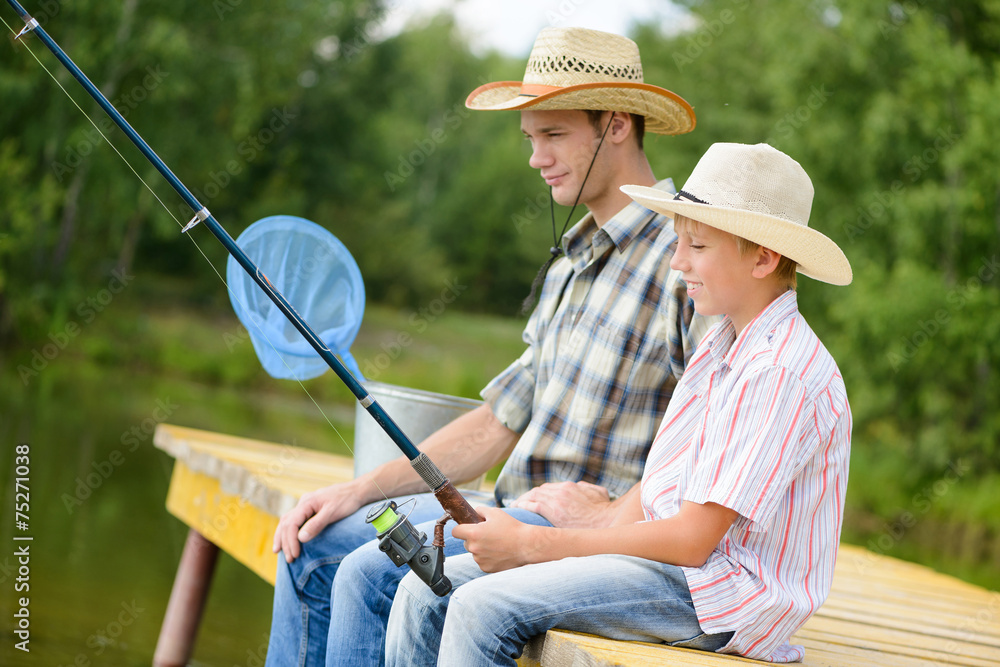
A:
453	502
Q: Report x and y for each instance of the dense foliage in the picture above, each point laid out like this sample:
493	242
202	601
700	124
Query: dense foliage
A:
303	108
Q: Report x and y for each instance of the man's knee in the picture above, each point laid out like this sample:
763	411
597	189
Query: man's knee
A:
367	566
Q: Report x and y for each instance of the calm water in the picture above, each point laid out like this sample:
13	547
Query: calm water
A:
104	549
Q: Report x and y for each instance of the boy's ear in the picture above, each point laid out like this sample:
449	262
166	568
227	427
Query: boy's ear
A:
767	262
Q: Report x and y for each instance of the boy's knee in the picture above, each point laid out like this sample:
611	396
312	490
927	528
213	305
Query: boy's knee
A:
477	601
414	595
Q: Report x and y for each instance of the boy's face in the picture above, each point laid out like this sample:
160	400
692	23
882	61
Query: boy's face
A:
719	280
562	146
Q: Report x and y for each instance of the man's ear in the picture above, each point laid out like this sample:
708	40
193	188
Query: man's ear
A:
621	127
767	262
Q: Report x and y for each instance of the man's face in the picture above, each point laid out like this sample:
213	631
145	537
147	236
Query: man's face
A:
562	145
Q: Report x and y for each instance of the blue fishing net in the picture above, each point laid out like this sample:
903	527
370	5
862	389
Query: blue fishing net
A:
318	277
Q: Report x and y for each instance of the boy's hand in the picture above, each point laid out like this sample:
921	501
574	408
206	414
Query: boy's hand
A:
501	542
569	504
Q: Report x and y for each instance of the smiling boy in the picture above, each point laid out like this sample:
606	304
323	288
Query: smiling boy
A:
731	542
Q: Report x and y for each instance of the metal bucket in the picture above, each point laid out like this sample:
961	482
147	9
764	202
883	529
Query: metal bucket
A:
418	413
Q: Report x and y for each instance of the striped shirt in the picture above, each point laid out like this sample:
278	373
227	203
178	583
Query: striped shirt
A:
606	345
760	424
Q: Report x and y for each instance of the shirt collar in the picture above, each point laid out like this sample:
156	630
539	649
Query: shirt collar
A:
618	231
724	344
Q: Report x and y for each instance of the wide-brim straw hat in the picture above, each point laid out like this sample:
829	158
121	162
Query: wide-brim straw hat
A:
577	68
757	193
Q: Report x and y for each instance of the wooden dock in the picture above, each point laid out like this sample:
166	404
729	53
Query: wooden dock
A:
881	611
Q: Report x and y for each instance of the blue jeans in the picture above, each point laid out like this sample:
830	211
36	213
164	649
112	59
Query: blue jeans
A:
487	619
331	604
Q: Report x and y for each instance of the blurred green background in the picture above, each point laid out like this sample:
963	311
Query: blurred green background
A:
107	313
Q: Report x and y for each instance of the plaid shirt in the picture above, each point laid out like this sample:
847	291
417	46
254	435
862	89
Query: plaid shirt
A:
607	343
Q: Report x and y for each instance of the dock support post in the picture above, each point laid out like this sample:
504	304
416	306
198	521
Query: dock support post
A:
187	601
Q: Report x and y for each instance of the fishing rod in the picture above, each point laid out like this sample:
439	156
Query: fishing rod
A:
396	535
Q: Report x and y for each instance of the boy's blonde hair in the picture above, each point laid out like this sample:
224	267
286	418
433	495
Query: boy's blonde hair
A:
787	271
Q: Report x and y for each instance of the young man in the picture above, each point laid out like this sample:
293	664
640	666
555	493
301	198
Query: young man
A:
573	416
731	543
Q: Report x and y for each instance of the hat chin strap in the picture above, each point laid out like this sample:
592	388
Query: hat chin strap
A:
556	250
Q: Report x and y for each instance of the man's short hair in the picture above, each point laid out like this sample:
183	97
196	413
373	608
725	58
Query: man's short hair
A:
638	124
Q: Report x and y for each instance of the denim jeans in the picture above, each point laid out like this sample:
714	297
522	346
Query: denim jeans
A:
341	575
487	619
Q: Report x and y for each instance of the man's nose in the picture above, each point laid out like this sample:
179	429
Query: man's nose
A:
540	157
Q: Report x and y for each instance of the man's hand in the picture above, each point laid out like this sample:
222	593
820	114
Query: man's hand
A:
569	504
501	542
314	512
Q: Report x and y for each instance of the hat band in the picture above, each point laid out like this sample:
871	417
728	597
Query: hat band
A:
688	195
537	89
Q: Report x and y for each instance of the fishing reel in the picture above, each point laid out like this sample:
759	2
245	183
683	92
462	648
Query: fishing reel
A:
403	543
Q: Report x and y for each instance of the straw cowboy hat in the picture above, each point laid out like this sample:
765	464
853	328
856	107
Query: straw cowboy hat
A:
757	193
576	68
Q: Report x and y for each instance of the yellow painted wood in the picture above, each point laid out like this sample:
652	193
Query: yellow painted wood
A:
881	611
240	529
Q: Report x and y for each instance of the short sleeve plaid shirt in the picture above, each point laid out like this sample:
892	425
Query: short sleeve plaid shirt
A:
607	343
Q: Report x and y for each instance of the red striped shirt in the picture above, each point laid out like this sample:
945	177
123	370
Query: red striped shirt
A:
761	425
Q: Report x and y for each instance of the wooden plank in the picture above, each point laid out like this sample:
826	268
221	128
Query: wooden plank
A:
236	526
908	644
918	618
564	649
902	595
271	477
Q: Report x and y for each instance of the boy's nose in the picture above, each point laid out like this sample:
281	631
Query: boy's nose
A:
679	261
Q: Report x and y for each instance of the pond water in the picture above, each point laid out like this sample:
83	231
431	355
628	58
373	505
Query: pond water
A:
104	550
